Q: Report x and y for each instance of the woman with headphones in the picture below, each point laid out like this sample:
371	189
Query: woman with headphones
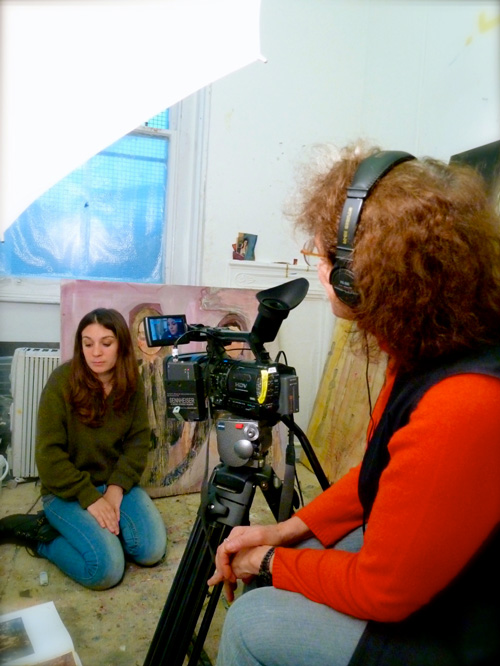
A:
394	564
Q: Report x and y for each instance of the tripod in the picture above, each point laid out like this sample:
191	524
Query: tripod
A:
225	504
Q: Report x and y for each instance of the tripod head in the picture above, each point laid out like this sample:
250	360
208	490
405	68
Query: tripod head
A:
242	442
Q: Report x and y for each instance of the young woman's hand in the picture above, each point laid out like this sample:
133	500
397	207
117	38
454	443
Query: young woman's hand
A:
114	496
105	514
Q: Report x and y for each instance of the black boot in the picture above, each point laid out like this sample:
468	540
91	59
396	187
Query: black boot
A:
27	529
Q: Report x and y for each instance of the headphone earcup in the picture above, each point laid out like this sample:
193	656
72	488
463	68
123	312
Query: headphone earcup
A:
342	281
369	172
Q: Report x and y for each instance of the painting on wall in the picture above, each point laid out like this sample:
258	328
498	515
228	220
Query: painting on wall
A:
181	453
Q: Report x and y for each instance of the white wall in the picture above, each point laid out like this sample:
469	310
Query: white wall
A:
414	75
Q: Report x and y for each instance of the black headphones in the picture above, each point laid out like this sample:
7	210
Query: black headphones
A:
367	174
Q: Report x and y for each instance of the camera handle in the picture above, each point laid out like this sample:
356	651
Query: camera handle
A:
225	503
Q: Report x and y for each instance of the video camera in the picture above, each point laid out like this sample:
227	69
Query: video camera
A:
260	389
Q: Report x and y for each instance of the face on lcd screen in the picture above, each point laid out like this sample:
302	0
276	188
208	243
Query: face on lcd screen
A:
164	330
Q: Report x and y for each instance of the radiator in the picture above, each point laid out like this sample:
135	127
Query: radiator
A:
29	372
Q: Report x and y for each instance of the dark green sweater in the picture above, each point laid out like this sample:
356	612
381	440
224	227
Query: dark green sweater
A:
73	458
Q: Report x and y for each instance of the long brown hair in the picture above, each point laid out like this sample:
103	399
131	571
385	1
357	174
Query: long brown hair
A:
87	395
426	258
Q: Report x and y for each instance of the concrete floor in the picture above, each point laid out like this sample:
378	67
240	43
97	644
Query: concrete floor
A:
114	627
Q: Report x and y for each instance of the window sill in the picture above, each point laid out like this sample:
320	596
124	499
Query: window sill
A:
29	290
241	274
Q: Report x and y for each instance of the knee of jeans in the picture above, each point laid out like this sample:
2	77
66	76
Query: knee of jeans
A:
241	612
232	642
105	573
146	546
152	550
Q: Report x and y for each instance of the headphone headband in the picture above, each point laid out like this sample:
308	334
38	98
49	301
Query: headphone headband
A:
373	169
368	173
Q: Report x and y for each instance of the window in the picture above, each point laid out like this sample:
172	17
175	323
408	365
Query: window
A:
115	218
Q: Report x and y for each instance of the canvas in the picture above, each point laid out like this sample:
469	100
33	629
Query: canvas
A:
179	458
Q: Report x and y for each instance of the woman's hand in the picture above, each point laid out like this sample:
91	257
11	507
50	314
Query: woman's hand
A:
240	538
114	496
245	566
105	514
240	555
286	533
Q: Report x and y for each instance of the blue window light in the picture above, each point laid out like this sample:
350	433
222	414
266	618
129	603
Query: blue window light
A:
104	221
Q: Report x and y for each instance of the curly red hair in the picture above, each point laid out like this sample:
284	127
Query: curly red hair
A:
426	258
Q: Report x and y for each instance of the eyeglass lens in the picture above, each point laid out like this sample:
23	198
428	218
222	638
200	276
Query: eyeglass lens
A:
311	253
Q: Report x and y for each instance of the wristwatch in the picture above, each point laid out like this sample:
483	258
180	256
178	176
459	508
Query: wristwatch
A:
264	577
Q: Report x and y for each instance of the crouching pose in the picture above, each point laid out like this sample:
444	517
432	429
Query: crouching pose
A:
396	563
91	449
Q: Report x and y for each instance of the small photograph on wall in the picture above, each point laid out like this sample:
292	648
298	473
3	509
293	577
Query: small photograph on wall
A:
178	454
244	248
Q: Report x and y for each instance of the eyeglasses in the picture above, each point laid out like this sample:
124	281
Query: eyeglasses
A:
311	255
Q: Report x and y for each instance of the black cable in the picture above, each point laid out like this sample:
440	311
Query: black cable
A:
372	422
281	353
299	488
34	504
367	379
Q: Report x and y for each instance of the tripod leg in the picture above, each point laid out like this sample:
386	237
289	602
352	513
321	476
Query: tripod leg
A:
227	504
187	594
199	640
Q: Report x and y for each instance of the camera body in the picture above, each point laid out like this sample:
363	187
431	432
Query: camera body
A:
261	391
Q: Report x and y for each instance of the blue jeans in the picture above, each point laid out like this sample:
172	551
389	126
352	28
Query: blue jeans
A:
93	556
270	627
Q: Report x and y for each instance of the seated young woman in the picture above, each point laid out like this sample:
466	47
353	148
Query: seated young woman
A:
91	449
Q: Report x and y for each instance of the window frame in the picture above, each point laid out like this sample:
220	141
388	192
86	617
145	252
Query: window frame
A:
184	212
